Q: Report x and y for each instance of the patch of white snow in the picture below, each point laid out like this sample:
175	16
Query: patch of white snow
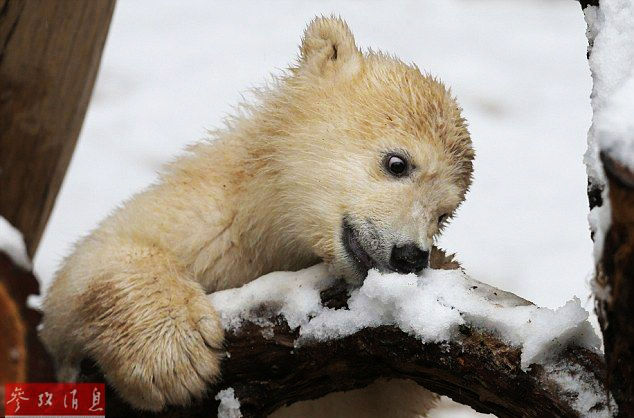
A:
588	397
12	244
611	34
295	295
600	219
229	405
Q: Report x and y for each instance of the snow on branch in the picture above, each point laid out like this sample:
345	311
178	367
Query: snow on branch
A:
611	57
297	336
431	308
611	36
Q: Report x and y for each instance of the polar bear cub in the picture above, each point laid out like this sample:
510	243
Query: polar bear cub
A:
352	158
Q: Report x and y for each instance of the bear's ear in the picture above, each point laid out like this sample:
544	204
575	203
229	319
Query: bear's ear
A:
328	49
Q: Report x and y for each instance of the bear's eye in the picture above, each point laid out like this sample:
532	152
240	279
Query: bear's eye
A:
396	165
442	218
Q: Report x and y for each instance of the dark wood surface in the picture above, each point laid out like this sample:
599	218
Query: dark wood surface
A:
12	344
586	3
20	284
615	273
49	56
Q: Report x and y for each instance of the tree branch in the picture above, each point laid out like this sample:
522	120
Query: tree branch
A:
268	369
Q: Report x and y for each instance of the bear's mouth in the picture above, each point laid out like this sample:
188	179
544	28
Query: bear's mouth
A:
363	261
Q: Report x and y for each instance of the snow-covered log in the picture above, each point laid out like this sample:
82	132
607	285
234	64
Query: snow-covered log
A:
297	336
610	163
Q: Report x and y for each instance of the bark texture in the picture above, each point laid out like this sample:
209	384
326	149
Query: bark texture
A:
615	275
49	56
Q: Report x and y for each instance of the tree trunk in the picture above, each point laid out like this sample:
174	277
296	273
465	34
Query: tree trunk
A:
49	56
615	274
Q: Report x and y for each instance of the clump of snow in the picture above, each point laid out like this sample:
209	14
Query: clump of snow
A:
611	34
547	332
588	397
229	406
431	307
591	159
615	122
600	219
12	244
34	302
295	295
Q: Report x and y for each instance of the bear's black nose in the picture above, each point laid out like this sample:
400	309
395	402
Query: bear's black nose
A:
408	258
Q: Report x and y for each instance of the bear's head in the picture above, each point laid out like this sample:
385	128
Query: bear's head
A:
371	158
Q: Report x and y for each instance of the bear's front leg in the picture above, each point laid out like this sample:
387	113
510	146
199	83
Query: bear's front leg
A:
146	323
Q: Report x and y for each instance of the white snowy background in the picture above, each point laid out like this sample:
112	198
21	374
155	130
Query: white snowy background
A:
518	67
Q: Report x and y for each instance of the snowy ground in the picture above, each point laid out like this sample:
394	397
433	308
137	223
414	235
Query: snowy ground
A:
172	69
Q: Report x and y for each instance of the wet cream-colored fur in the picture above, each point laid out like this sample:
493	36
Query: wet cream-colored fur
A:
268	192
